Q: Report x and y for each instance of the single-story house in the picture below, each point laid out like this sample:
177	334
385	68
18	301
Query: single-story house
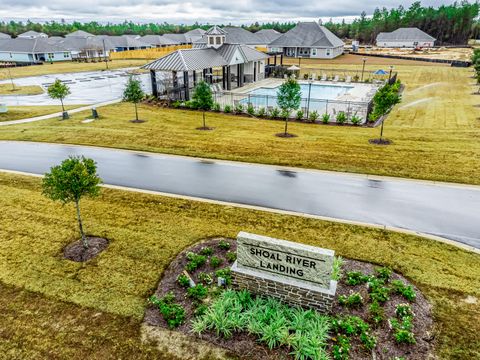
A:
157	41
267	36
405	37
36	50
123	42
177	39
84	48
194	35
239	64
32	35
308	40
238	35
4	36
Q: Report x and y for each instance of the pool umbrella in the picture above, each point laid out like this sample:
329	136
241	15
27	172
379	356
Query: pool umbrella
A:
293	68
380	72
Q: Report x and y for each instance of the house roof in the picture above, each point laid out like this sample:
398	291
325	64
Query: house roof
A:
188	60
308	34
74	43
157	40
32	34
405	34
124	41
29	45
215	30
4	36
238	35
197	31
204	58
176	38
267	35
80	34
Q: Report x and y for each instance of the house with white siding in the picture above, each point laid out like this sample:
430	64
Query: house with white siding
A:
308	40
405	38
32	35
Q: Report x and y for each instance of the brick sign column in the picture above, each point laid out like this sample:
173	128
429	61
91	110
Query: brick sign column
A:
294	273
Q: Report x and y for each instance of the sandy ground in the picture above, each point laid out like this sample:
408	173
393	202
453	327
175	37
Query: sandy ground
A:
433	53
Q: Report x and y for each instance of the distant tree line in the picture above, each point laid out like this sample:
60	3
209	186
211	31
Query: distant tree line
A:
450	24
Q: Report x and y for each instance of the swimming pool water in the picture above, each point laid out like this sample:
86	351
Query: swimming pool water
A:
321	92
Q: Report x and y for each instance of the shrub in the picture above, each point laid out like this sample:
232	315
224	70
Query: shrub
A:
353	325
216	107
227	109
191	104
402	331
313	116
274	113
239	108
205	278
183	280
385	98
226	274
206	251
224	245
231	256
201	310
176	104
405	290
341	349
384	273
341	118
356	120
337	268
197	292
354	300
380	294
195	261
355	278
172	313
326	118
300	115
305	76
377	314
250	110
261	112
215	262
404	311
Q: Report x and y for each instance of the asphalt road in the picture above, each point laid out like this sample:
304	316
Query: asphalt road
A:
86	87
452	212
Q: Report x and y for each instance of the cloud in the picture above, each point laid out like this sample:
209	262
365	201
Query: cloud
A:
212	11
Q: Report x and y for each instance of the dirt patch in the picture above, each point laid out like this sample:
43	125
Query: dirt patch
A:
245	346
204	128
287	135
76	252
137	121
380	141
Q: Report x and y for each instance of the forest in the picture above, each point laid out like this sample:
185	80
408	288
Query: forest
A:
451	24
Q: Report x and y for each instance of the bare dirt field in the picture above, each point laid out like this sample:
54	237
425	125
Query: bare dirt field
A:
443	53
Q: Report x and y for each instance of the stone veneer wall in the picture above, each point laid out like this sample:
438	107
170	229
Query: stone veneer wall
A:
318	299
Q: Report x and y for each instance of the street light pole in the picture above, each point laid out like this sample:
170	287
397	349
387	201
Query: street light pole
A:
11	79
105	54
363	68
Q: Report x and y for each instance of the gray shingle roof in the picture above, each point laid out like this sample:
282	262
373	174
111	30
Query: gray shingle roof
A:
268	35
4	36
176	39
32	34
81	43
28	45
405	34
80	34
238	35
308	34
123	41
157	40
215	30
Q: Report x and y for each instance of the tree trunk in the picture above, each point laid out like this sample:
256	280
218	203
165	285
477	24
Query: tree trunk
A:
63	108
381	131
136	112
204	125
80	225
286	126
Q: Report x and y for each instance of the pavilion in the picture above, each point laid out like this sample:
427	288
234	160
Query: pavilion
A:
239	64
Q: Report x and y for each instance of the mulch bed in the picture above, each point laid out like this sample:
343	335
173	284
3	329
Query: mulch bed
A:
205	128
287	135
137	121
246	346
76	252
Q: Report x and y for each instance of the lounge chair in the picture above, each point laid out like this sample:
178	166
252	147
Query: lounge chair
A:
348	80
313	77
324	77
335	79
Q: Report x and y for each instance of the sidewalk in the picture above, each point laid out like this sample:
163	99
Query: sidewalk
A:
59	114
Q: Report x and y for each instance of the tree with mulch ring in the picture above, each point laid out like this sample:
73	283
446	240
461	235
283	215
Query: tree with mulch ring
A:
75	178
289	96
203	99
377	313
133	92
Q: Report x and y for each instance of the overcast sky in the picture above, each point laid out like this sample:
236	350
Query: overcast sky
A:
187	12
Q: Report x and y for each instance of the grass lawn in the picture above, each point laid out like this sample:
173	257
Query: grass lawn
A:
22	112
146	232
66	67
435	131
7	89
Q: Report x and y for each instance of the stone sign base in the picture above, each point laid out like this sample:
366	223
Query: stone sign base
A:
289	291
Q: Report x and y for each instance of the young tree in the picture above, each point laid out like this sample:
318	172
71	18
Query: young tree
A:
133	93
202	96
73	179
60	91
289	96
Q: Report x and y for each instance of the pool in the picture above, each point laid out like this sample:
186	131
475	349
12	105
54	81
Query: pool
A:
321	92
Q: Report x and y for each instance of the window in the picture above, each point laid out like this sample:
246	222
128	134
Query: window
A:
210	40
219	40
51	55
314	52
11	56
66	55
328	52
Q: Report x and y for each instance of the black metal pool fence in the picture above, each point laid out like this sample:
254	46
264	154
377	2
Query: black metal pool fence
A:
360	109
